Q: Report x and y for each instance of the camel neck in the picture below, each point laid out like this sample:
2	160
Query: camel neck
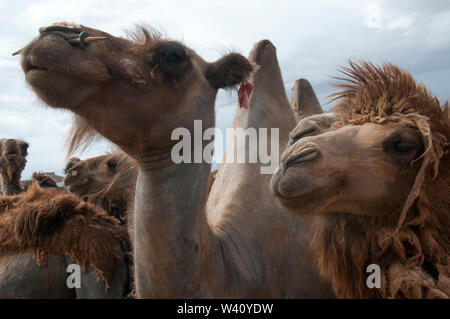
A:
9	187
169	206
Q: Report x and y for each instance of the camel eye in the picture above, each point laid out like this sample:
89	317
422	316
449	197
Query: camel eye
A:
403	147
111	164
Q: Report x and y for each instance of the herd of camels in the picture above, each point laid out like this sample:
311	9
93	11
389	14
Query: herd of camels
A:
366	183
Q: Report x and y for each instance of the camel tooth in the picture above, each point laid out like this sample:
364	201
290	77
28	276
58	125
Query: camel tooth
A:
94	39
74	173
17	52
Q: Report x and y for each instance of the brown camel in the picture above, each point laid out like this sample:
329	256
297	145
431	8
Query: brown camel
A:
135	93
376	178
13	154
44	181
108	181
44	231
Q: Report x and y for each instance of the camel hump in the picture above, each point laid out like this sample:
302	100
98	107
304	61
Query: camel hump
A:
268	76
304	101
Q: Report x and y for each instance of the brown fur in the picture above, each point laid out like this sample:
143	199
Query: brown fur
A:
48	222
413	246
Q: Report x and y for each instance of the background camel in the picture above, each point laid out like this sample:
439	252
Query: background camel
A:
377	180
13	154
44	181
43	231
107	181
240	245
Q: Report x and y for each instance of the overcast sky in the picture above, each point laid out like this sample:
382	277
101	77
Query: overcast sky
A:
312	38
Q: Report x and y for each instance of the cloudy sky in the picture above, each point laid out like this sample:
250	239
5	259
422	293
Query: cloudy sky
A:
312	39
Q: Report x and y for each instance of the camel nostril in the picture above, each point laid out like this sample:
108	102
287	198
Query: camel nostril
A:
306	153
60	28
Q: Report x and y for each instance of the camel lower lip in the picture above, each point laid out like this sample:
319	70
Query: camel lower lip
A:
300	193
35	70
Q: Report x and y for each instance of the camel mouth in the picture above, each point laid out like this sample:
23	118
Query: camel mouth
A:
12	156
286	188
74	188
29	67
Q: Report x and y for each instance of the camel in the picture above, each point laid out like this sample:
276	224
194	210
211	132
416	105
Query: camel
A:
375	179
13	154
107	181
44	233
232	242
44	181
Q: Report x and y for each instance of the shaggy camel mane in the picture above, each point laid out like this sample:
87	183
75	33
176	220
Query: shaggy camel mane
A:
412	247
49	222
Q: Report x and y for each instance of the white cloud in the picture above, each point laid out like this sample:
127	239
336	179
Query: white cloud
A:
402	22
376	18
373	16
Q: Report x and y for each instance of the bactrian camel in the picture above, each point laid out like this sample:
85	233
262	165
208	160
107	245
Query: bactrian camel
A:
13	153
374	177
236	242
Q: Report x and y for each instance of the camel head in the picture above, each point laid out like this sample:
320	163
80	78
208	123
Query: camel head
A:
363	160
90	176
132	91
365	169
13	154
97	175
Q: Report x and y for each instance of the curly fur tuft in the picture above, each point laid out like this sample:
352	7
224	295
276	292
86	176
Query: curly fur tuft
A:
48	222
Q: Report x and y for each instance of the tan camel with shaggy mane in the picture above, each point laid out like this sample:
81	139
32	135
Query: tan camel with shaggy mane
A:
231	242
375	178
13	153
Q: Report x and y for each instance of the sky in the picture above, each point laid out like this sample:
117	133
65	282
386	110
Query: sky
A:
313	38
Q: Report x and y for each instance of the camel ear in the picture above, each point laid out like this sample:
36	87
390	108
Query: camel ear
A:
304	101
112	163
229	70
170	58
